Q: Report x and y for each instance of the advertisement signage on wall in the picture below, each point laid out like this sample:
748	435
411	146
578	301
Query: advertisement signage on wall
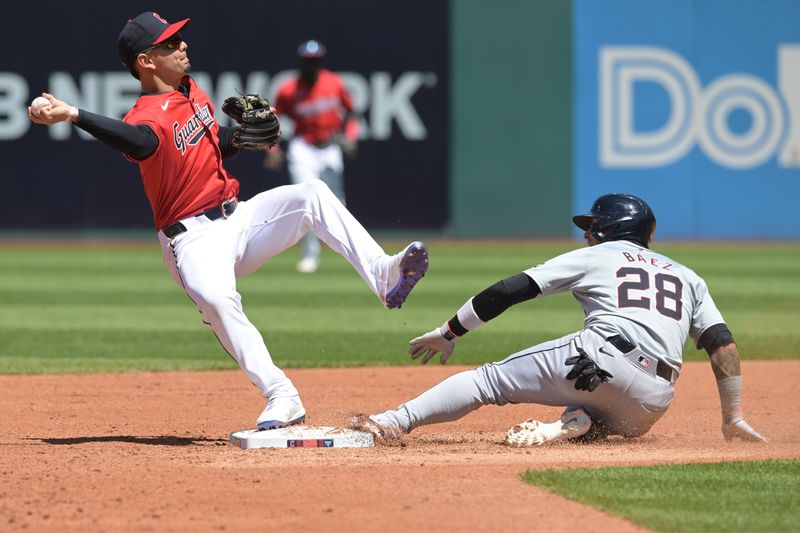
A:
695	106
66	179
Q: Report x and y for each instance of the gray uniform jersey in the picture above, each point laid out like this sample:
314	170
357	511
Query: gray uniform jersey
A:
625	289
651	300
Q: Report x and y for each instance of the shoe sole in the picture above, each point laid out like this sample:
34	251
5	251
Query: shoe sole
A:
413	267
527	433
535	433
276	424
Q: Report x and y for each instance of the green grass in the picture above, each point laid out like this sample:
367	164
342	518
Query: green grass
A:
717	497
101	309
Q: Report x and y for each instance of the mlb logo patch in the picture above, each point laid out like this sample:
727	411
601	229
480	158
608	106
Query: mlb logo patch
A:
644	361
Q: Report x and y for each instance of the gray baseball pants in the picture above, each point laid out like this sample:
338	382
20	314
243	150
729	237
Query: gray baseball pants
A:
629	404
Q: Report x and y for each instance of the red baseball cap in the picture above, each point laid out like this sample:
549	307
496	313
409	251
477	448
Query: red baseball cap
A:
145	31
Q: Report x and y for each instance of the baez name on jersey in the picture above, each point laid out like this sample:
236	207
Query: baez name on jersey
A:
194	129
650	261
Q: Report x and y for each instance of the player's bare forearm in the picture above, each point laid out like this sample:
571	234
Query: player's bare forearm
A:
725	361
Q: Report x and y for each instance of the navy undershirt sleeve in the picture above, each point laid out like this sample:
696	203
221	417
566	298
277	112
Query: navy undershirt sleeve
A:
507	292
226	142
139	142
493	301
714	337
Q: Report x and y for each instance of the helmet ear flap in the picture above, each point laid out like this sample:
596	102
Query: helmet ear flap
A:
601	230
595	231
598	234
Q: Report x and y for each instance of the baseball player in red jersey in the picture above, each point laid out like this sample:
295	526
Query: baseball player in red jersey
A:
321	108
209	237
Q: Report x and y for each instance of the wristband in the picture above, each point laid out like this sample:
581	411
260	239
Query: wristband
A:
468	318
447	333
730	398
73	114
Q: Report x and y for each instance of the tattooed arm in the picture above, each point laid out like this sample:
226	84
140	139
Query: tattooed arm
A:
725	361
727	370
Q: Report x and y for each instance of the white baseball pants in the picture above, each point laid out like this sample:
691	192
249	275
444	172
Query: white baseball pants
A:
629	404
307	162
206	260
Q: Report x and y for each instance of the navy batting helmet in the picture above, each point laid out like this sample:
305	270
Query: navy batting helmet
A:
616	217
311	50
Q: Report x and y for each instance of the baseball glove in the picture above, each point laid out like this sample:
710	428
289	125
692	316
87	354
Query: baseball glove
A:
259	128
587	375
236	106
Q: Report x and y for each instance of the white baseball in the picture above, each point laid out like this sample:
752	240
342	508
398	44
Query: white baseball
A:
39	103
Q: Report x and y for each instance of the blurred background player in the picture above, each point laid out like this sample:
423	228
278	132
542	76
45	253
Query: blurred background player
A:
325	128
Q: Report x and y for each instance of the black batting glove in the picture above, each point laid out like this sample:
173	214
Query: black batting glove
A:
587	375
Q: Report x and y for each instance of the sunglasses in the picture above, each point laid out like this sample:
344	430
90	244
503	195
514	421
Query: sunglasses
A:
173	43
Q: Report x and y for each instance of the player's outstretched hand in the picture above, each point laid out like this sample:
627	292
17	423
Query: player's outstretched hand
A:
57	111
349	147
432	343
274	159
741	429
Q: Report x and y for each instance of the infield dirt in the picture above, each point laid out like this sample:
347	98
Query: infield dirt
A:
150	452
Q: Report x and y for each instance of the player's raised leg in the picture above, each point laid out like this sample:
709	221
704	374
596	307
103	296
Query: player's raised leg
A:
282	216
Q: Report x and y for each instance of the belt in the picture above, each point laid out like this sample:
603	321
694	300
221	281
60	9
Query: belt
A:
223	210
322	143
663	370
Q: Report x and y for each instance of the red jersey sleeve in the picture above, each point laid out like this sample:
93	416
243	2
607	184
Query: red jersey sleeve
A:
136	120
344	96
351	126
283	100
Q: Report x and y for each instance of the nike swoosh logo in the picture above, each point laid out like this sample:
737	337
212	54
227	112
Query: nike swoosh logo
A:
165	106
607	353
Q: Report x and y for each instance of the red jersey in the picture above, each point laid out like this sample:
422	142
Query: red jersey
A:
316	111
184	176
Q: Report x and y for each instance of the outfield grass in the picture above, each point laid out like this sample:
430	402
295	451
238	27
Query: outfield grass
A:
99	309
718	497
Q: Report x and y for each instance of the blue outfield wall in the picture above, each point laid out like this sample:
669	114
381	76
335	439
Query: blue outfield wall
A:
693	105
